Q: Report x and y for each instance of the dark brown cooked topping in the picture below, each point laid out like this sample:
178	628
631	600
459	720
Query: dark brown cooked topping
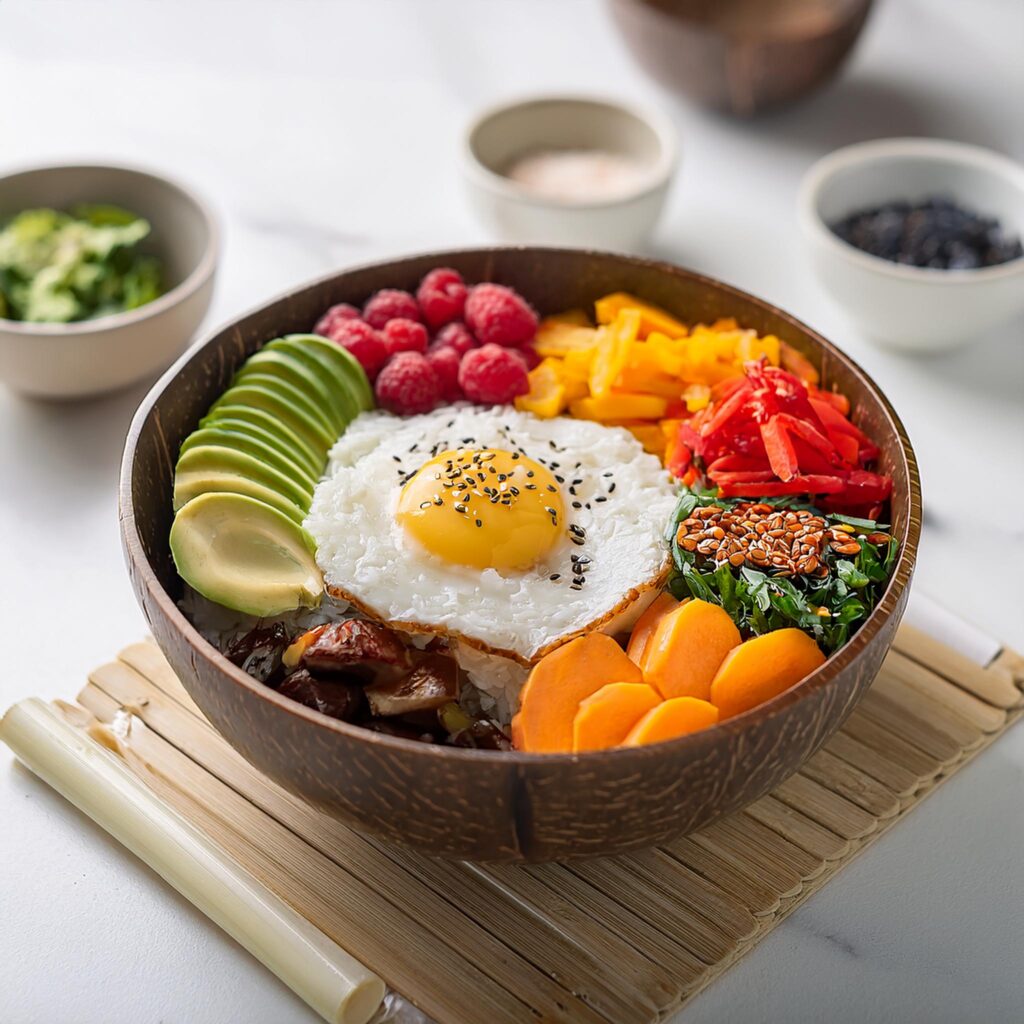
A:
335	697
431	684
354	643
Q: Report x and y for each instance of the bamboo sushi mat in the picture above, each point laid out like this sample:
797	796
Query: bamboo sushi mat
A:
627	940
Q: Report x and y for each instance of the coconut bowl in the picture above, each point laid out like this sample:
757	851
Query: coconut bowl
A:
483	805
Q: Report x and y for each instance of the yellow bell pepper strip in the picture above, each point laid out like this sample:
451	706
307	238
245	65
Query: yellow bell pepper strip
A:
608	308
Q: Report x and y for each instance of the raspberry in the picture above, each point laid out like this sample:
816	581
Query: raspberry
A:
363	342
493	375
445	362
408	385
390	304
497	315
401	335
335	315
455	335
527	354
441	295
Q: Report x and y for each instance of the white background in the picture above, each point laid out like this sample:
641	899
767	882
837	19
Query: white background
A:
328	133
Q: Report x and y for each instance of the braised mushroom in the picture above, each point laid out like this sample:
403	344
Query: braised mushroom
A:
432	683
353	646
338	698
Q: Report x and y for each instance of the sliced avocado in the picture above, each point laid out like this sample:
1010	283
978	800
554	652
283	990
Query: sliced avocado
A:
218	459
272	401
295	398
245	555
268	429
321	390
223	436
310	350
342	358
191	484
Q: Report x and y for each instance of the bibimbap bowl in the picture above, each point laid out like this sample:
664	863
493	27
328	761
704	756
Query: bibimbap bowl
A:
501	804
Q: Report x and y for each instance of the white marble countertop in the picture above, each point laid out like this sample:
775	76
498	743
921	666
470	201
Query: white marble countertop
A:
326	133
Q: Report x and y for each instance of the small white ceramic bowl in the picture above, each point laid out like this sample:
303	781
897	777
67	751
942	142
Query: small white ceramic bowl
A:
501	135
914	308
91	357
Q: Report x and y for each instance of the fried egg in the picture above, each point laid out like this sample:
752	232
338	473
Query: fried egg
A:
503	532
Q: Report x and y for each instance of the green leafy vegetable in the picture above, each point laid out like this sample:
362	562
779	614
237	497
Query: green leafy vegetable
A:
60	267
830	608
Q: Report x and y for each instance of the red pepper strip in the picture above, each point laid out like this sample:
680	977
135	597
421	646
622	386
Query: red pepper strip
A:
810	460
838	401
807	431
746	476
676	410
777	443
847	446
798	485
725	411
736	463
863	487
724	388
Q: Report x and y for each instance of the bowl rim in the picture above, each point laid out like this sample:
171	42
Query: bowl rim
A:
937	151
138	561
655	178
193	281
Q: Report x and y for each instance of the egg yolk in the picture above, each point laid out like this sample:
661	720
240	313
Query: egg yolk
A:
486	508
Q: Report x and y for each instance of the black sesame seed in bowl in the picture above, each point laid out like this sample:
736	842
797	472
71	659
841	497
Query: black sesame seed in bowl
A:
918	240
936	232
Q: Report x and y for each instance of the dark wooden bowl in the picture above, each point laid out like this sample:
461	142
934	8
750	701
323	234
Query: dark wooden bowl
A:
482	805
741	56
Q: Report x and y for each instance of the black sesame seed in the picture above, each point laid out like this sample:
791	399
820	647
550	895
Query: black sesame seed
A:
529	473
609	473
587	505
438	500
576	540
531	487
600	497
611	487
459	507
424	504
555	576
478	523
579	579
552	487
560	479
577	504
575	586
582	559
396	458
515	455
577	481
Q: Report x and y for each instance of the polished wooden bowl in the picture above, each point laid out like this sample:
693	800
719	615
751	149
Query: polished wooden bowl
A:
741	57
482	805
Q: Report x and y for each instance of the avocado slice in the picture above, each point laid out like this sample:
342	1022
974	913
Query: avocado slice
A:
223	436
191	484
343	359
295	397
218	459
245	555
268	429
271	400
322	390
324	361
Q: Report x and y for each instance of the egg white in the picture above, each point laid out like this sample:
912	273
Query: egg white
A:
367	558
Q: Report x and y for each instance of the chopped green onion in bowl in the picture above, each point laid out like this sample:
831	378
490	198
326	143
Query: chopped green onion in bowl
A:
58	267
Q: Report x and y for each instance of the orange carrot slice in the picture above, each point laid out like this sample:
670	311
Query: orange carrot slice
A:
557	684
762	668
686	648
605	718
671	719
646	624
